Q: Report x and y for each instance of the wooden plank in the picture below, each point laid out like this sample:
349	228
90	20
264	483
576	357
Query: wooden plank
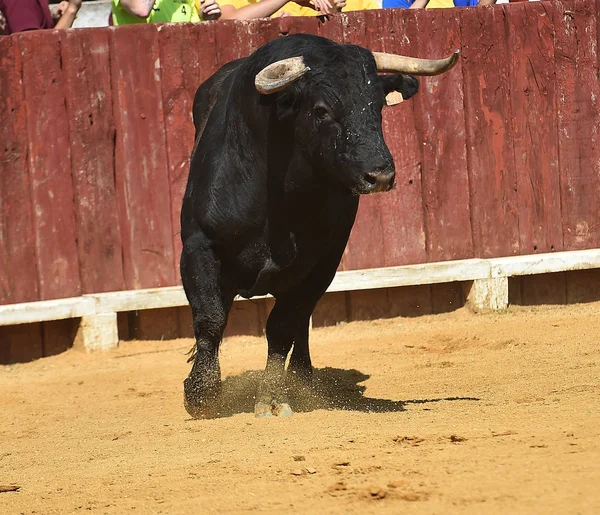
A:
543	289
140	158
155	324
182	73
446	297
545	263
45	310
261	32
332	309
123	326
20	343
411	275
410	301
533	98
383	278
576	55
243	319
85	61
132	300
332	27
490	154
441	127
297	25
58	336
186	323
368	305
232	41
365	245
487	294
583	286
354	27
97	332
50	165
402	209
18	266
514	291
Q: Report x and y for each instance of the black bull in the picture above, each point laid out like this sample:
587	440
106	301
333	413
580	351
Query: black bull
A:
286	141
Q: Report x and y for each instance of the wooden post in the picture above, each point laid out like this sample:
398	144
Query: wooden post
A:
97	332
488	294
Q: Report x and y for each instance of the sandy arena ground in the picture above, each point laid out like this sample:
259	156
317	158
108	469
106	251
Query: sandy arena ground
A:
453	413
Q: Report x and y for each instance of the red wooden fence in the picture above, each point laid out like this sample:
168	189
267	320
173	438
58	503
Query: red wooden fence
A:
501	156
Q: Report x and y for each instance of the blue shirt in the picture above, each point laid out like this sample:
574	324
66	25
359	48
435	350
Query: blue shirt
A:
401	4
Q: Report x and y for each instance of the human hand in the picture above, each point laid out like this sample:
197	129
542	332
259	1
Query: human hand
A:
323	6
66	5
210	10
59	9
339	4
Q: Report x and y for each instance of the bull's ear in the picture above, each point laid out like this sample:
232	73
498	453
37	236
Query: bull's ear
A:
398	83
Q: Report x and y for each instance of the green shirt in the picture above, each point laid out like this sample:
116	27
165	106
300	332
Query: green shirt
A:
164	11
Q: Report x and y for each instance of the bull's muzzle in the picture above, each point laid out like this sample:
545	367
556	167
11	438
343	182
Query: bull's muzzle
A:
378	180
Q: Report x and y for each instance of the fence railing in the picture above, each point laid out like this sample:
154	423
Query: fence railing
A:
499	157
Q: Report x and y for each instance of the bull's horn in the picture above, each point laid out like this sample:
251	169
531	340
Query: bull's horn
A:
280	75
412	65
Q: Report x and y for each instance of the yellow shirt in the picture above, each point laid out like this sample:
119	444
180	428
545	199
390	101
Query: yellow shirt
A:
293	9
437	4
164	11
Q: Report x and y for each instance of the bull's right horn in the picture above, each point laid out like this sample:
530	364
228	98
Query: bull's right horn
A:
413	65
279	75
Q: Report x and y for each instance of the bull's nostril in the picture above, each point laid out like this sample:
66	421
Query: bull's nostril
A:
371	178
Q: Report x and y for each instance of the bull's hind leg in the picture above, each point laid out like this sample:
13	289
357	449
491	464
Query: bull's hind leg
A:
287	326
210	299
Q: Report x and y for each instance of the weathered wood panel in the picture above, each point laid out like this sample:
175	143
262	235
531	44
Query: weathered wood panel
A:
441	127
21	343
18	264
140	158
526	87
50	165
402	214
576	54
182	72
364	249
490	155
532	75
85	61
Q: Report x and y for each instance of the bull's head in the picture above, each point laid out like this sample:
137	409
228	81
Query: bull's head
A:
336	97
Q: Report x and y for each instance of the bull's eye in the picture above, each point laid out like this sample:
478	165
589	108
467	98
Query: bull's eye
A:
321	112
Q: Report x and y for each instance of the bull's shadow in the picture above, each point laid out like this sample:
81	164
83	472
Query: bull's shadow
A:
332	389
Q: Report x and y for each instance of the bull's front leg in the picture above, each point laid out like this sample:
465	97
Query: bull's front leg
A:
210	299
287	326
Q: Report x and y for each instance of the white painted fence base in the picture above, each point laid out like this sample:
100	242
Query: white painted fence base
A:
487	280
97	332
488	294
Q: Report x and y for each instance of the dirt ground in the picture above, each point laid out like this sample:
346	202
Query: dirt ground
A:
453	413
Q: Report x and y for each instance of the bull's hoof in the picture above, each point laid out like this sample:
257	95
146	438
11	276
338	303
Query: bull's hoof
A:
201	401
272	409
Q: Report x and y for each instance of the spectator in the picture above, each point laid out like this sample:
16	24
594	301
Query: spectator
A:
250	9
439	4
22	15
125	12
293	8
405	4
473	3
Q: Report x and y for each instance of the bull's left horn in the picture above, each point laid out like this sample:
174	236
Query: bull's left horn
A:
413	65
279	75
